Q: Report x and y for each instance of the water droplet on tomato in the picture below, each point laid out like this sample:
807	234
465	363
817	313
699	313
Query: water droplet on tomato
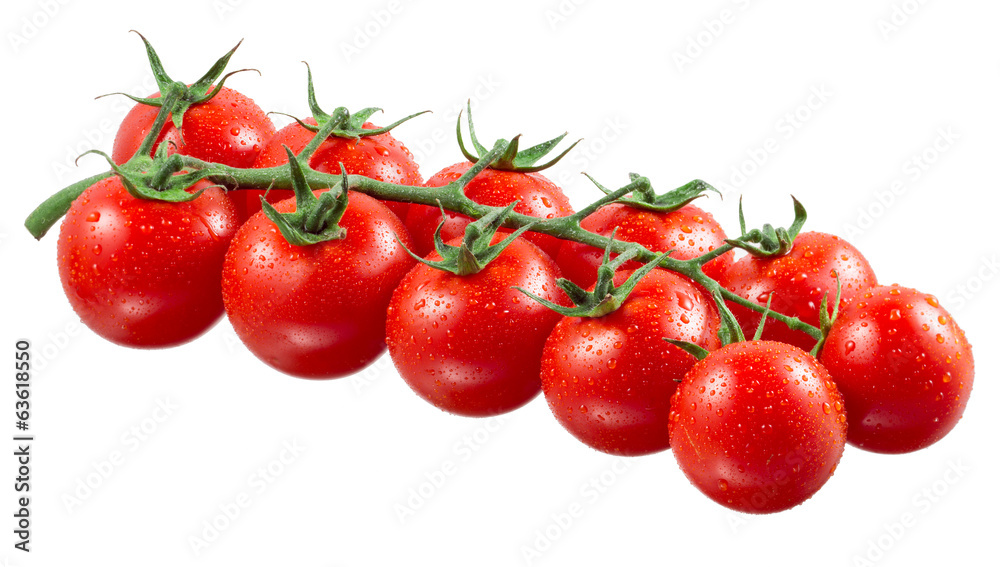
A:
723	485
93	217
895	315
684	301
382	150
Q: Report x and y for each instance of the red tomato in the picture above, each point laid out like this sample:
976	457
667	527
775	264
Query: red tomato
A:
608	380
904	367
145	273
472	345
229	129
689	231
316	311
798	280
379	157
758	426
536	196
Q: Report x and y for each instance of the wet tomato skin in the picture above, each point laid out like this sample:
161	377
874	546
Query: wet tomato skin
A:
608	380
798	282
689	231
536	196
145	273
380	157
472	345
229	129
904	366
316	311
758	426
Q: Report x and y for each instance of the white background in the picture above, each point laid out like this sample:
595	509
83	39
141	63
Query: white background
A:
896	77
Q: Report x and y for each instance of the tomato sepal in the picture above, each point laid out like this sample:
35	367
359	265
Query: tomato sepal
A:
769	241
347	125
183	96
476	251
315	218
694	350
159	179
606	297
512	158
826	319
730	330
644	196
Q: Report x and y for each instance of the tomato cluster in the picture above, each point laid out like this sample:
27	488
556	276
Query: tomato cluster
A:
633	357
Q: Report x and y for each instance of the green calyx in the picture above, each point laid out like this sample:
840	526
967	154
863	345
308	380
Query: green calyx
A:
827	319
315	218
345	124
476	251
177	96
769	241
644	197
157	179
606	297
512	159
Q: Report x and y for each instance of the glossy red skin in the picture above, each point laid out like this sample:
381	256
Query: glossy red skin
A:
608	380
758	426
904	367
689	231
799	281
380	157
472	345
229	129
316	311
145	273
536	196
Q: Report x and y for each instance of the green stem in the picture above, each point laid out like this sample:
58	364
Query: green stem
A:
451	197
46	215
169	101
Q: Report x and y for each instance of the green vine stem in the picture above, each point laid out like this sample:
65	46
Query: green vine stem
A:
46	215
450	197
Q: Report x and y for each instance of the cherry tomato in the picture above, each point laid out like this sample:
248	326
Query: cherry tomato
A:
608	380
758	426
316	311
379	157
689	231
904	367
145	273
229	129
536	196
798	282
472	345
